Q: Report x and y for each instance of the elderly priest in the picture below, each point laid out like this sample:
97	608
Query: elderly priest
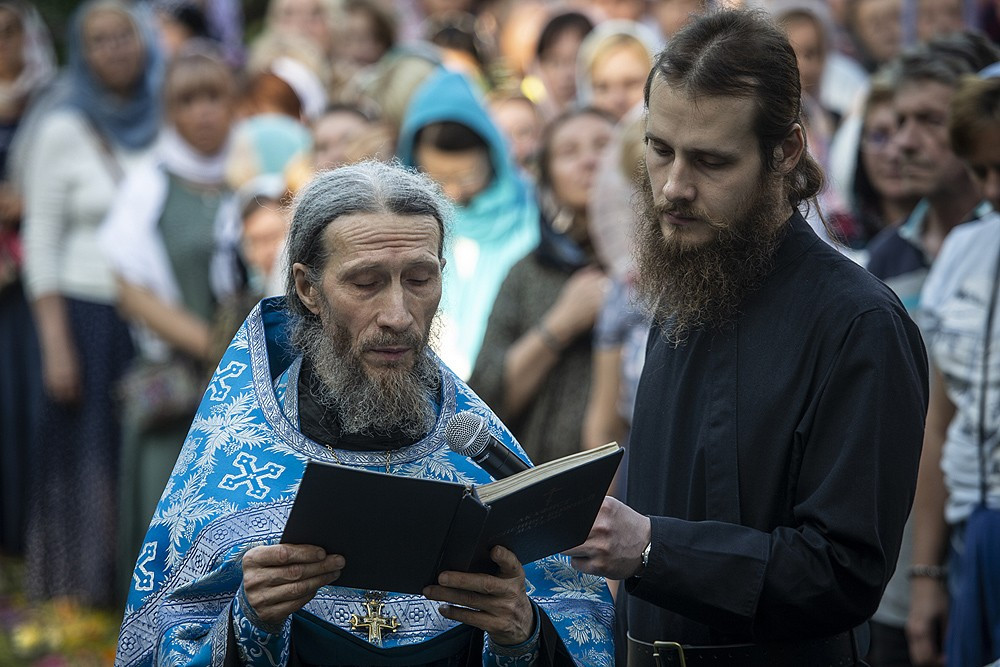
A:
339	372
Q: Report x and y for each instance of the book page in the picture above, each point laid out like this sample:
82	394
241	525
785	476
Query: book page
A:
508	485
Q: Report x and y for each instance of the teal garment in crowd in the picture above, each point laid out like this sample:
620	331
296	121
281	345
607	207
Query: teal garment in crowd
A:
488	236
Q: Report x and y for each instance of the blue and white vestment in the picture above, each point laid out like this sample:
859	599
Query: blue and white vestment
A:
232	489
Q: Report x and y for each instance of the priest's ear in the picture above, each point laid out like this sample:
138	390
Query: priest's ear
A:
307	291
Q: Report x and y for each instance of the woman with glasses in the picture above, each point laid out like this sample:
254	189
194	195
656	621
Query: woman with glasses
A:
873	187
880	196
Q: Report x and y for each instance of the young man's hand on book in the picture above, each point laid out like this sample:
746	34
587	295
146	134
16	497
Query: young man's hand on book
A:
279	579
615	546
497	604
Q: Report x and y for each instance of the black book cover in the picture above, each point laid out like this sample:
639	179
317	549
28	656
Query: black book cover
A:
399	533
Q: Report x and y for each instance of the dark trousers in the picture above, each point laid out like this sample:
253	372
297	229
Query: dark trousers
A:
889	647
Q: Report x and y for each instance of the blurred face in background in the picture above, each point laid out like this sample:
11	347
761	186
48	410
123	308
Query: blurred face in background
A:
806	38
461	174
204	116
878	25
333	135
173	34
200	96
434	8
557	66
11	45
519	121
630	10
112	49
264	231
617	78
984	163
672	15
879	154
574	152
929	166
360	42
308	18
938	17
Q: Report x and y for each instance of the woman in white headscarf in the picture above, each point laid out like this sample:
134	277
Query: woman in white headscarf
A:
171	238
612	65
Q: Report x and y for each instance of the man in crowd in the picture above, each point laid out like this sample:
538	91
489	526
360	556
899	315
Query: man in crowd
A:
925	81
354	384
780	413
955	551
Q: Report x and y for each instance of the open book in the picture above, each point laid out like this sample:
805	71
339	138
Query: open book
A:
399	533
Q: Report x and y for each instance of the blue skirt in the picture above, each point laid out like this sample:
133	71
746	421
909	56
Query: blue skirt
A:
73	513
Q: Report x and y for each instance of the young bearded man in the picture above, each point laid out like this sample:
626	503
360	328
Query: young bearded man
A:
779	417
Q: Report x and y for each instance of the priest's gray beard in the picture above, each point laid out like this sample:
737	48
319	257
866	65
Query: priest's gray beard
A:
394	399
687	288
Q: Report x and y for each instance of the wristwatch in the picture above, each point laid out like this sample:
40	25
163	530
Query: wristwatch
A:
645	561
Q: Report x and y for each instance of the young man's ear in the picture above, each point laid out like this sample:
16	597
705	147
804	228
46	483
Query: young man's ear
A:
307	292
788	153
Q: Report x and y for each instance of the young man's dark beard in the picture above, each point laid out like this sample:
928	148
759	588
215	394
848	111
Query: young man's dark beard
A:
394	400
687	288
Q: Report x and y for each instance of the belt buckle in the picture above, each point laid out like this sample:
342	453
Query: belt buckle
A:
666	647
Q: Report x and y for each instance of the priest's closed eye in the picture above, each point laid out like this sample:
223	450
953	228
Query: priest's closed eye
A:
661	150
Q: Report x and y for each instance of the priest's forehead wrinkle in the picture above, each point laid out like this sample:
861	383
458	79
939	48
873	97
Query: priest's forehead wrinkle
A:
365	187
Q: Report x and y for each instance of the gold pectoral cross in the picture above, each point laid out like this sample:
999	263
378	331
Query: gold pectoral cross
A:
374	621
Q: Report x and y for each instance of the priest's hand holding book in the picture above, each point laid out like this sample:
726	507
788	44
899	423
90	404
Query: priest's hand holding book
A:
498	605
279	579
457	543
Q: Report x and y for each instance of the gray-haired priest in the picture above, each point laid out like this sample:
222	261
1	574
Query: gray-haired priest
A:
339	371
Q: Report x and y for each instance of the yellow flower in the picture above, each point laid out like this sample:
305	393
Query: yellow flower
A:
27	639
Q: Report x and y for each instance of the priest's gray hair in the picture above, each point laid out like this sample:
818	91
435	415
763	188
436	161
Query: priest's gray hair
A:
364	187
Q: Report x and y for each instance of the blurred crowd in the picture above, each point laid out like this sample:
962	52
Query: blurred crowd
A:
146	183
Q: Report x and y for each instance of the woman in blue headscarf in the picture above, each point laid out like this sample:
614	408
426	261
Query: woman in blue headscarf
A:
102	120
448	134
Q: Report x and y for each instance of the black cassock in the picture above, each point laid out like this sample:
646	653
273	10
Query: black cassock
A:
778	457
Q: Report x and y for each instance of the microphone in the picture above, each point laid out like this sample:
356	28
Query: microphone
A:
467	435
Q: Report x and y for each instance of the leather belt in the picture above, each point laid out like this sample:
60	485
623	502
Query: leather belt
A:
836	651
